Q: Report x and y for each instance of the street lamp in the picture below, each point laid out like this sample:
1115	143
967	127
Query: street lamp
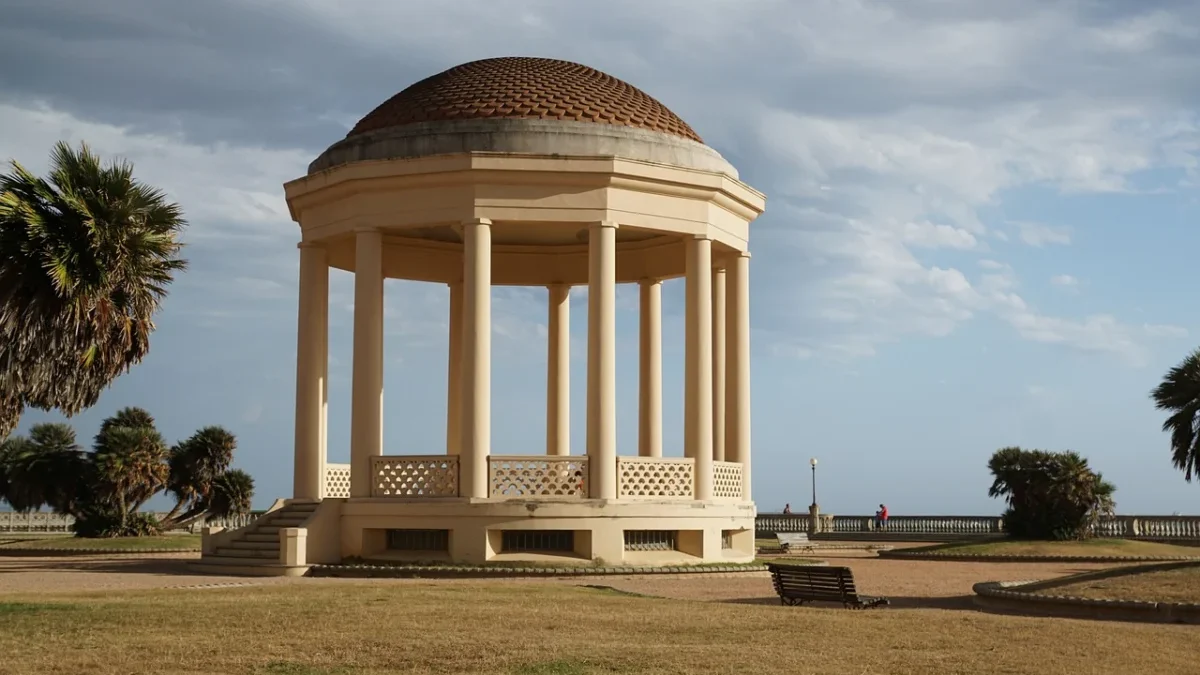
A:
813	462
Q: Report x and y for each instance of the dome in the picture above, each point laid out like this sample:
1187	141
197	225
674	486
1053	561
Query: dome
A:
524	88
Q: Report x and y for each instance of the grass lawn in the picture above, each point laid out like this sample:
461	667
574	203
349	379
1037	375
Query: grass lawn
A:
172	541
547	628
1179	585
1089	547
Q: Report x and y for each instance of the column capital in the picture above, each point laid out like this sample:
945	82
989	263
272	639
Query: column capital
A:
367	229
470	222
649	281
604	223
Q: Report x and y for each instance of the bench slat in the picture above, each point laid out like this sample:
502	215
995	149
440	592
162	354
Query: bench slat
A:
803	583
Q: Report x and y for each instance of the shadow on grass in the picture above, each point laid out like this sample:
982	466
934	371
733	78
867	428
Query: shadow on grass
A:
957	602
171	566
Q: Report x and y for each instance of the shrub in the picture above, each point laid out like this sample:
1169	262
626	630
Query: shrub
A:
1050	495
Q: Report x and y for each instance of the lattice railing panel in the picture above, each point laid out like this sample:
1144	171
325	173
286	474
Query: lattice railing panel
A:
538	477
727	480
337	480
655	477
415	477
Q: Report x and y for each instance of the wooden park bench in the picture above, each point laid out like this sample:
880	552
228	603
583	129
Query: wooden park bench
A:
797	539
798	584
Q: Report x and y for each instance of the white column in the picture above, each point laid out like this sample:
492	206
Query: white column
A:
477	358
698	429
602	360
718	358
312	323
454	372
650	369
366	413
558	373
325	381
737	383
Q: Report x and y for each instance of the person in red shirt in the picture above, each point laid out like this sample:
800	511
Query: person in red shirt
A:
881	517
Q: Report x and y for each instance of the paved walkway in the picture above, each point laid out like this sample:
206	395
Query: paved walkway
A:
908	583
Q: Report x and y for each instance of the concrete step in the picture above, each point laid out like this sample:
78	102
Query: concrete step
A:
256	545
264	554
268	537
242	567
288	521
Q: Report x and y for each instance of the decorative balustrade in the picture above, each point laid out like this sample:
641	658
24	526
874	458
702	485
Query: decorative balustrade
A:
1125	527
46	522
414	477
657	477
337	481
727	480
538	477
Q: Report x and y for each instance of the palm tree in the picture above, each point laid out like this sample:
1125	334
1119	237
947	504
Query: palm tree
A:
231	494
86	255
1179	394
196	465
130	462
45	469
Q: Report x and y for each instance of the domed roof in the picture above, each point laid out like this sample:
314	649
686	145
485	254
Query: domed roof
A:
524	88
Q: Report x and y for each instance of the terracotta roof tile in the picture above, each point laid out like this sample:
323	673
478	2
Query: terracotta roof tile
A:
523	87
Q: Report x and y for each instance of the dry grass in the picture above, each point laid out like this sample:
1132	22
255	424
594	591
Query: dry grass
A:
170	541
543	627
1089	547
1178	585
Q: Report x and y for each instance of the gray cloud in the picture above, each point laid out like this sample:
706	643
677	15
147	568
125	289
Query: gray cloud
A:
878	129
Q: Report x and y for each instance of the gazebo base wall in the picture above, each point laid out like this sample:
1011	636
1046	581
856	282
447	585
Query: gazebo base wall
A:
477	531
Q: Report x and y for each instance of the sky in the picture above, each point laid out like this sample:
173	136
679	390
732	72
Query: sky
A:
980	229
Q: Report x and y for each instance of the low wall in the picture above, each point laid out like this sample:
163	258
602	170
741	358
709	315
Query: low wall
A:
48	523
934	528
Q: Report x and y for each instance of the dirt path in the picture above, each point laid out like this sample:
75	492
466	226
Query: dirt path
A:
907	583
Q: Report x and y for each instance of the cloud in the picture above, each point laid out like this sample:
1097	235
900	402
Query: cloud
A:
1036	234
1065	281
882	132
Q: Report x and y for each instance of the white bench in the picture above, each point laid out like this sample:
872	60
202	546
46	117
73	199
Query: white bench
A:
789	539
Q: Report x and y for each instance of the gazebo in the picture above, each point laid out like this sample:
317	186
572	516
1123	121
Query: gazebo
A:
522	172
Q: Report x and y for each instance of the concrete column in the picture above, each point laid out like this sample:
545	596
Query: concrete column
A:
366	412
454	372
324	384
650	369
698	381
310	376
477	358
737	362
602	360
718	353
558	373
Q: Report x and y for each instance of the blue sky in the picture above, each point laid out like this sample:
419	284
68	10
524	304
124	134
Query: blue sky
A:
980	228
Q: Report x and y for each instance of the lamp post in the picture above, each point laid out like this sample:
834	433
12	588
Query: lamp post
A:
813	462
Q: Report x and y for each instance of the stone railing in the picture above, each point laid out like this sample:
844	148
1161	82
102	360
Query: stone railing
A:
656	477
414	476
337	481
727	480
965	525
1125	527
46	522
538	477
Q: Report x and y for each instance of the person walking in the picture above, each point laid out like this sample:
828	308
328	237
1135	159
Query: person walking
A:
881	517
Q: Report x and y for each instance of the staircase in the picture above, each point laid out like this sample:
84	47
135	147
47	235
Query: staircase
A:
254	550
